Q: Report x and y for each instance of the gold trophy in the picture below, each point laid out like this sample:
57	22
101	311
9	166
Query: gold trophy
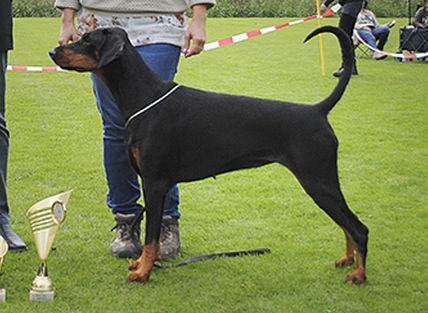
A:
3	250
45	218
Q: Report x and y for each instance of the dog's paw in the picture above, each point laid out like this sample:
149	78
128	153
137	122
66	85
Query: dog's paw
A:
134	265
344	261
356	277
139	277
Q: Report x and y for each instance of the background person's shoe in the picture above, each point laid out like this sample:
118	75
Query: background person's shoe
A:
13	240
169	238
379	56
391	24
340	71
127	243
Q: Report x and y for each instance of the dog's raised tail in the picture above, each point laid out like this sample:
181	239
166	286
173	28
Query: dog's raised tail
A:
328	103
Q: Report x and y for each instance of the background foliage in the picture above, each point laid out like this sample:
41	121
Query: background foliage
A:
236	8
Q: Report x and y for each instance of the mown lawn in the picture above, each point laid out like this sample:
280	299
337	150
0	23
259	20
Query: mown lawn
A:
382	127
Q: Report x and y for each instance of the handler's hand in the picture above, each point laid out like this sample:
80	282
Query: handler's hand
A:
324	7
196	32
68	30
67	33
196	35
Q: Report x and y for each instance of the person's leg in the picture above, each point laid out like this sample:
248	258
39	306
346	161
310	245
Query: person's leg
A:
4	143
163	60
122	181
347	24
381	33
368	37
15	243
124	188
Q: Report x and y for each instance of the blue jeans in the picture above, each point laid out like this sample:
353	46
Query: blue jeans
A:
4	142
122	180
380	33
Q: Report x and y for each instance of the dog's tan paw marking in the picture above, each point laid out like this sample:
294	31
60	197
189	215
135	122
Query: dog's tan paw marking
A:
139	277
356	277
134	265
345	261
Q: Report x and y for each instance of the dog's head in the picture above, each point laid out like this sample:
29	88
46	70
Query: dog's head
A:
93	51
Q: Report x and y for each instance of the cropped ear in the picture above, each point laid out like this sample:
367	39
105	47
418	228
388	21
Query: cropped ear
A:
111	48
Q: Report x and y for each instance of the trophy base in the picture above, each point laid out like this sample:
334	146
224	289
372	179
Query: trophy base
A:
41	296
2	295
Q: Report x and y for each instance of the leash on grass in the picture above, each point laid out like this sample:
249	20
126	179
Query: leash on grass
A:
228	254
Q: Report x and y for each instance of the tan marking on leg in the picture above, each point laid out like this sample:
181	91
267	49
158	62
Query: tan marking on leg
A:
348	258
359	275
145	263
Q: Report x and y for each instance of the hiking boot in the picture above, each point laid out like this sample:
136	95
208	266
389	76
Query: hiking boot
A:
391	24
127	243
169	238
14	242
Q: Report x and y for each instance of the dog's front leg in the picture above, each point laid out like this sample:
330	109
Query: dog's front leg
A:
151	253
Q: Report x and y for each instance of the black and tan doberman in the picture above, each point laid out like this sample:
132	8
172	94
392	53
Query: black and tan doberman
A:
179	134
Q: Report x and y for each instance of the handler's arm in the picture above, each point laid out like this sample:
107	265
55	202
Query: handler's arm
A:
195	36
68	30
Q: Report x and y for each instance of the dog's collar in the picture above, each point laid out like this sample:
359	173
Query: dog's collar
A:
151	105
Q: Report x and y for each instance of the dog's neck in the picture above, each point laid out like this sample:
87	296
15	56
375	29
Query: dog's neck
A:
131	82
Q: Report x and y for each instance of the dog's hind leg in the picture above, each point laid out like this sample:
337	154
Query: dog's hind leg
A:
327	195
349	257
154	194
317	172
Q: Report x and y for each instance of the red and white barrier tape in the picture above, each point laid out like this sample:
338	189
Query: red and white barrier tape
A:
13	68
208	47
409	56
263	31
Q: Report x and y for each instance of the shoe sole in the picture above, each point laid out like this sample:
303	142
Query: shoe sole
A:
18	249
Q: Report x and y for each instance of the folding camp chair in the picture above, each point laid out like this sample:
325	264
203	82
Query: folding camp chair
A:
361	50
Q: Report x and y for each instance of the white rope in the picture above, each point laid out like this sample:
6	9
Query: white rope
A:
410	56
151	105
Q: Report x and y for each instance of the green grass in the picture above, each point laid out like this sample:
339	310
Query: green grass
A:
382	127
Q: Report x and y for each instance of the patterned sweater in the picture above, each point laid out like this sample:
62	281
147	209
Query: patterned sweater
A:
130	7
366	19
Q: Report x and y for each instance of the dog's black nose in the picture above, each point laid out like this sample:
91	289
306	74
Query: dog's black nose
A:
52	52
